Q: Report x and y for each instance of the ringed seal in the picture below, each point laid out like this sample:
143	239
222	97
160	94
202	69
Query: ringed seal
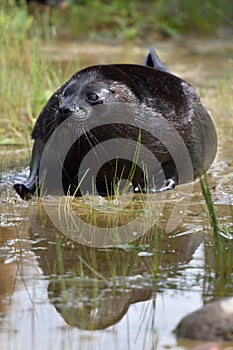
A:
149	88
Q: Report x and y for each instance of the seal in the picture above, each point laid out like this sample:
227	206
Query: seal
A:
155	96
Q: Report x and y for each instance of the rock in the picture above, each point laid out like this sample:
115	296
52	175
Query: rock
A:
213	322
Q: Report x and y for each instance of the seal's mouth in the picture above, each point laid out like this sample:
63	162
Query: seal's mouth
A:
80	115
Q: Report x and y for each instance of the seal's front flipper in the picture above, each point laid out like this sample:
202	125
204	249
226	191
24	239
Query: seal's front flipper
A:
27	189
153	61
24	191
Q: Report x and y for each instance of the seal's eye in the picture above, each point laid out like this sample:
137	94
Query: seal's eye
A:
92	97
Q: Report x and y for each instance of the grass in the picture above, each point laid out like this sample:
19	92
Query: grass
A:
21	74
209	203
26	78
218	240
218	251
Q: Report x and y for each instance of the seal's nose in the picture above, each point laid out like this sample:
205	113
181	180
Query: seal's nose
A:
64	110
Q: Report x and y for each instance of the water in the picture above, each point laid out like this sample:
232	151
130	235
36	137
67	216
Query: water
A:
57	293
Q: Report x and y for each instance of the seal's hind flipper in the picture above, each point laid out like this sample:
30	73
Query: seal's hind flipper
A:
152	60
169	185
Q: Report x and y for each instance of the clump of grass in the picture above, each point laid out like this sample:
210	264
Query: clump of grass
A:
208	199
220	251
26	79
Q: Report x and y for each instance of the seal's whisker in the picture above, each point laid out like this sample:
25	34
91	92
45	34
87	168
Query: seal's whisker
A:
98	142
92	144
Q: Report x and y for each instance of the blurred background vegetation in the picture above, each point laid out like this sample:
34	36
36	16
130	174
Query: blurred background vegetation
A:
136	19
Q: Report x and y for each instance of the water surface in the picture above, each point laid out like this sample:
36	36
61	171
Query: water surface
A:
57	293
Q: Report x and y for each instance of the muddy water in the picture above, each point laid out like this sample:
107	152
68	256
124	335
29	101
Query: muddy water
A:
58	293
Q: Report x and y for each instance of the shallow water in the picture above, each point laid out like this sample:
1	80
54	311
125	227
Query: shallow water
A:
58	293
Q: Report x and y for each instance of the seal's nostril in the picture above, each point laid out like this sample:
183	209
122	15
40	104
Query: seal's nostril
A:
64	110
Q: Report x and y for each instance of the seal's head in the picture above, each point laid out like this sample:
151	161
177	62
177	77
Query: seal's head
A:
93	86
